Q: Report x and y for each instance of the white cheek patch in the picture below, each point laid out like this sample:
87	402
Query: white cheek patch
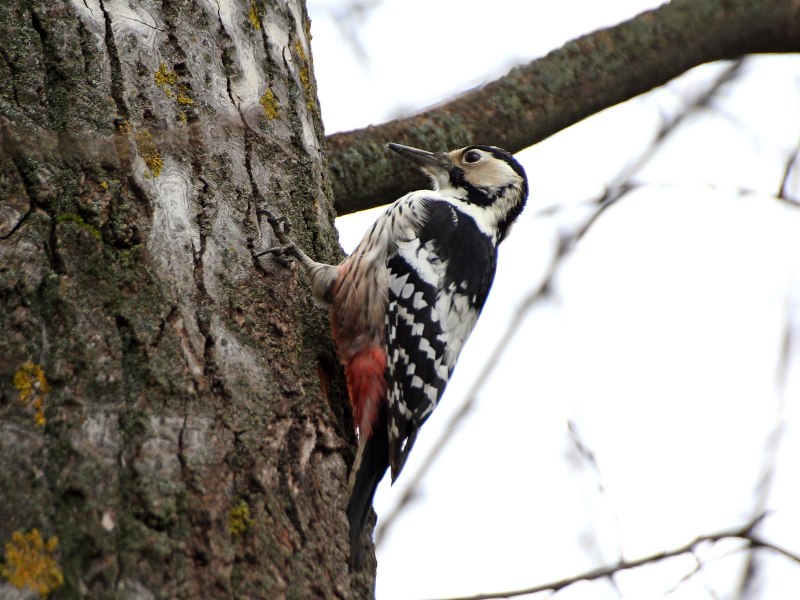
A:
491	173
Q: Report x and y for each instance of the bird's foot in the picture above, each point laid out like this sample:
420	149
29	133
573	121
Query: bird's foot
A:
281	226
284	251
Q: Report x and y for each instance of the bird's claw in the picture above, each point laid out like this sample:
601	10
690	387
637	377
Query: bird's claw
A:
284	251
281	226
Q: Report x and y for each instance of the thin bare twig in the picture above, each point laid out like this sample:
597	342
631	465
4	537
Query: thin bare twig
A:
698	566
789	173
744	532
767	476
622	182
588	456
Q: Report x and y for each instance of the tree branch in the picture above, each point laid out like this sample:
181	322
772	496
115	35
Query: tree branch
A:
583	77
744	532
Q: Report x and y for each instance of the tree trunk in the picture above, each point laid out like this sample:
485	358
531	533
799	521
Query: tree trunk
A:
172	416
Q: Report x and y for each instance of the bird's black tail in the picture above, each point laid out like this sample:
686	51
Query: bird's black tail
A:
372	460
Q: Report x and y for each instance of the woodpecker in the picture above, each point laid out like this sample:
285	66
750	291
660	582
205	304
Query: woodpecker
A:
404	302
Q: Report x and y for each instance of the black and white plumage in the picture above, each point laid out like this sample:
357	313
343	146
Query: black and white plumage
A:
404	302
439	277
438	283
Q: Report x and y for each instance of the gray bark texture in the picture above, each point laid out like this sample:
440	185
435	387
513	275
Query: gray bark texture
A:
173	420
172	417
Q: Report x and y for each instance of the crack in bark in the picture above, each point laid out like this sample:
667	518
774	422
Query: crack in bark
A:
37	27
271	66
294	443
52	249
185	476
127	418
248	131
223	56
14	72
143	23
202	298
6	141
19	224
295	99
137	189
117	79
84	36
171	317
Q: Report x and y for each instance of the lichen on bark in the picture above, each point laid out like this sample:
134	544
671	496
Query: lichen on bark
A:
184	378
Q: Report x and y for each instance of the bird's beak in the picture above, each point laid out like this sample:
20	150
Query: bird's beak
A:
423	158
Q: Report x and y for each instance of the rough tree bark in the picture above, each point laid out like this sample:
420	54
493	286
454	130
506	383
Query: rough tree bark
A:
172	421
172	417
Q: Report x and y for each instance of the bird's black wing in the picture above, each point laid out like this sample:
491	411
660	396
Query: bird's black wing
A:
438	282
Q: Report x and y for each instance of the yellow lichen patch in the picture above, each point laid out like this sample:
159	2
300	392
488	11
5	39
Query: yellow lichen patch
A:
305	77
149	153
29	563
125	127
32	387
184	100
104	185
301	53
165	78
153	161
239	519
168	82
183	97
252	15
270	104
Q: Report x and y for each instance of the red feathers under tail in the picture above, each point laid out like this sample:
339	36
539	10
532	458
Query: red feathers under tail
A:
366	383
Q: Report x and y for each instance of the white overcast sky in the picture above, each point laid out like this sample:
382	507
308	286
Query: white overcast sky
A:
660	343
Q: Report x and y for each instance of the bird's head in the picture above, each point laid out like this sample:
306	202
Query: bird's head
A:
484	176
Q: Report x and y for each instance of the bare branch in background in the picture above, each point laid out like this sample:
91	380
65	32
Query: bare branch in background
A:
583	77
698	566
622	182
770	456
589	458
790	176
745	533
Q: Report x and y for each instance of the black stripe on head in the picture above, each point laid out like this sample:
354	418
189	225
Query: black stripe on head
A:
475	195
503	155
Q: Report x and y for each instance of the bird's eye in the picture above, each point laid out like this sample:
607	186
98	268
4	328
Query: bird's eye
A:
472	156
